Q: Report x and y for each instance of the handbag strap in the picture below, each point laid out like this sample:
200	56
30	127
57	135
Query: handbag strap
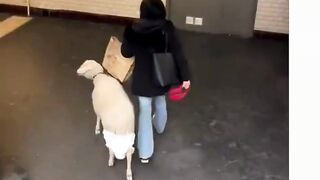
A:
166	41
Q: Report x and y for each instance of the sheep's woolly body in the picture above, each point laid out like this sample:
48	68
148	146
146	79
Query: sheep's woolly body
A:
113	106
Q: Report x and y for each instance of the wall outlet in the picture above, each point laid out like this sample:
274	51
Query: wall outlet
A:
198	21
189	20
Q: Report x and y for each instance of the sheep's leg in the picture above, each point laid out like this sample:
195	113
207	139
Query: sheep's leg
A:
111	158
129	158
97	130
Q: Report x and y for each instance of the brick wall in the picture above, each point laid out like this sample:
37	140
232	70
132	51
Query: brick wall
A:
272	16
126	8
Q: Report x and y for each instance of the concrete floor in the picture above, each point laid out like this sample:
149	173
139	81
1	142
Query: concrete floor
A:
233	126
4	16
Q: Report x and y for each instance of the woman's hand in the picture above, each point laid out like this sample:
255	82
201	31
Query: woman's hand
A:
186	84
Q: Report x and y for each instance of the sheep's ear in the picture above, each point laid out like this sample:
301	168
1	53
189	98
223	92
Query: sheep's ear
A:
82	69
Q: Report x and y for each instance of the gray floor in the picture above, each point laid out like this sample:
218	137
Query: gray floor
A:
233	126
4	16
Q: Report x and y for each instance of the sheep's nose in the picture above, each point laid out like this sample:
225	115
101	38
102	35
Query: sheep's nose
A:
78	72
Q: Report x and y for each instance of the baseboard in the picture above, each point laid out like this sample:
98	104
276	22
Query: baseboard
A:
22	10
272	35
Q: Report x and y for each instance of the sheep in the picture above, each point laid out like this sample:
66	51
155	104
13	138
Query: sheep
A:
114	110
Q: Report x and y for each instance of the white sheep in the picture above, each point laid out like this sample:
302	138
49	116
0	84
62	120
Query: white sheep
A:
115	110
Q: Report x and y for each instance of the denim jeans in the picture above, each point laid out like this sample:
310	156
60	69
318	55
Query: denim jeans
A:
145	131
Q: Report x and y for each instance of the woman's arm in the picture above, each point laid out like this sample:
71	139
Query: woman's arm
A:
126	47
176	49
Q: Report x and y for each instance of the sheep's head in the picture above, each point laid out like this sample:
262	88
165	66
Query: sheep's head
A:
89	69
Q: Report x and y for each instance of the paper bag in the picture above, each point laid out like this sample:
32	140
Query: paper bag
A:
115	64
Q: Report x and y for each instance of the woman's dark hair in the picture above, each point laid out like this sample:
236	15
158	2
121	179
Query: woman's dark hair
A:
152	10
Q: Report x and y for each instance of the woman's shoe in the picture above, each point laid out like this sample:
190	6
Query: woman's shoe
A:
144	161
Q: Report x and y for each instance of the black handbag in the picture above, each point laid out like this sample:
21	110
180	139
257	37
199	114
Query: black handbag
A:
165	69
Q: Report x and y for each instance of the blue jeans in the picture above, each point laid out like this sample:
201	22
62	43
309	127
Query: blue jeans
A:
145	131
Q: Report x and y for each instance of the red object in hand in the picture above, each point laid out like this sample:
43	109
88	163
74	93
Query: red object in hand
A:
177	93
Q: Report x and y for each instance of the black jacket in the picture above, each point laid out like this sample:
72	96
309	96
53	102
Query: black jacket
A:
142	39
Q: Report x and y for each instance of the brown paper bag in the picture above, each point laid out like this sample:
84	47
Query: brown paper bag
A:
116	65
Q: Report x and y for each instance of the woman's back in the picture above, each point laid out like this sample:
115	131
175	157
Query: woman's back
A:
141	40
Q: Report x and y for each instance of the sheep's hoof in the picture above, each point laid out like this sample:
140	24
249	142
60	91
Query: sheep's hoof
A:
111	163
97	131
129	175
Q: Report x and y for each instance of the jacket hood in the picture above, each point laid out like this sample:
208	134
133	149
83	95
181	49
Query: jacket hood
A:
152	10
146	26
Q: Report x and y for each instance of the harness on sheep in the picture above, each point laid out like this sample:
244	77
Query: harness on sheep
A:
97	74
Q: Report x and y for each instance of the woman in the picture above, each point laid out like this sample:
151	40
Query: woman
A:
141	39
